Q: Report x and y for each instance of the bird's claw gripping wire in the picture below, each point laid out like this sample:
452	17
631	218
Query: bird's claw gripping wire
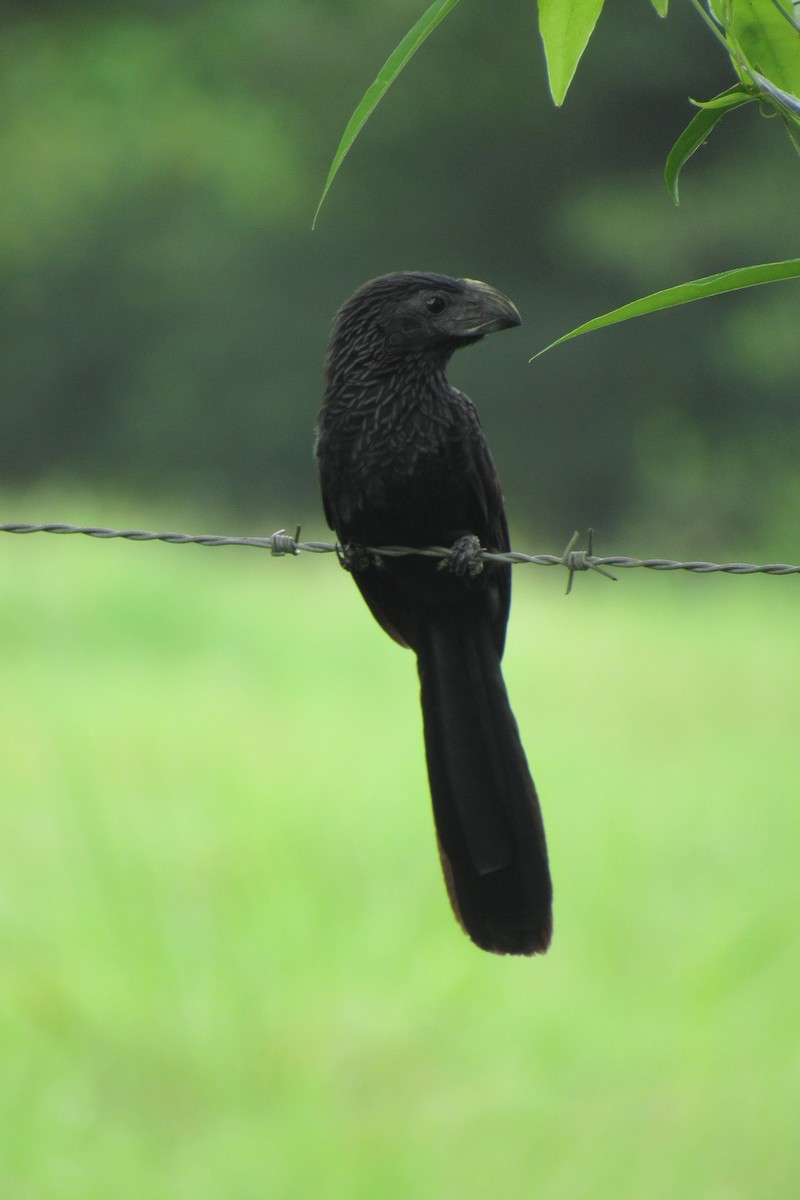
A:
581	560
464	557
354	557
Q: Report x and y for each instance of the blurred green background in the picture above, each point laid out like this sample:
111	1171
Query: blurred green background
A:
227	964
167	306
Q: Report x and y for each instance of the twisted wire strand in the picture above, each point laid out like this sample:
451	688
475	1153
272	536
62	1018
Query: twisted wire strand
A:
281	543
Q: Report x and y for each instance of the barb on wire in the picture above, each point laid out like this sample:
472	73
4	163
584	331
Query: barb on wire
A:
281	543
582	560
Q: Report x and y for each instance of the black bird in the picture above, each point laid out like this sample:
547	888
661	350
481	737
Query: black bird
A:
403	461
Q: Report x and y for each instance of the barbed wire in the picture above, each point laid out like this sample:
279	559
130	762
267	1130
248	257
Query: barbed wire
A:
281	543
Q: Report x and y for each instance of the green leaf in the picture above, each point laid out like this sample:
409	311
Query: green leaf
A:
385	78
565	26
660	6
766	38
685	293
730	99
762	38
720	10
697	131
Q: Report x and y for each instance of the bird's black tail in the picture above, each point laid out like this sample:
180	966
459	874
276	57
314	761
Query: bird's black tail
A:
488	821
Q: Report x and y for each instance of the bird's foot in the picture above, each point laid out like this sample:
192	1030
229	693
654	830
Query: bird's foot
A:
354	557
464	557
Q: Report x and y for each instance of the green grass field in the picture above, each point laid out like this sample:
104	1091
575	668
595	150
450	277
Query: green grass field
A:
228	970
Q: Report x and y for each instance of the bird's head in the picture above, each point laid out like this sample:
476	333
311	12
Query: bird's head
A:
418	315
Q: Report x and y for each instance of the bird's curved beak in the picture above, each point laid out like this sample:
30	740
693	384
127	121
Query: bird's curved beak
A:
484	310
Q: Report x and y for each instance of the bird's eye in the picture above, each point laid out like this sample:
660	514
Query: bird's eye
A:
435	304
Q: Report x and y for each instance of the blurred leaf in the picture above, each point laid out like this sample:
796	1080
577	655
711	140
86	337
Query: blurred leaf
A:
763	40
685	293
661	7
698	130
566	26
765	35
377	90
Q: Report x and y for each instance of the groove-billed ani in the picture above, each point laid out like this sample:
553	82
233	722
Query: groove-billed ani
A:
403	461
